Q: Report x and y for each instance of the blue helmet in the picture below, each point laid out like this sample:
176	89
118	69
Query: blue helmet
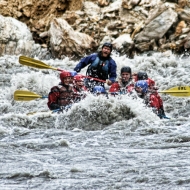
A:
99	89
143	85
73	73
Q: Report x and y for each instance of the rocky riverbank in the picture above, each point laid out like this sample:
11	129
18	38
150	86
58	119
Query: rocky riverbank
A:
77	27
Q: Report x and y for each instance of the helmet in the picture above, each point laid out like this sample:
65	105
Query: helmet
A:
107	44
142	76
99	89
126	69
78	78
73	73
64	75
143	85
150	82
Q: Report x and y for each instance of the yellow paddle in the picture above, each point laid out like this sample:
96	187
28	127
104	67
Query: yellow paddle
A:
23	95
40	65
178	91
35	63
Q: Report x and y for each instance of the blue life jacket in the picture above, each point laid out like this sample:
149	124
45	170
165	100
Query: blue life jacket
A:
98	69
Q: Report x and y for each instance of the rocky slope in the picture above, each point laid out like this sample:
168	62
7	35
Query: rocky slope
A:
78	27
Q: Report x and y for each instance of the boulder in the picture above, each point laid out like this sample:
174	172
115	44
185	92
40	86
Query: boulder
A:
156	28
151	25
184	14
120	42
66	41
16	38
187	42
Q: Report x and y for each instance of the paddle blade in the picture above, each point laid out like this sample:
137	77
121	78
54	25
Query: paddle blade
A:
22	95
178	91
51	112
34	63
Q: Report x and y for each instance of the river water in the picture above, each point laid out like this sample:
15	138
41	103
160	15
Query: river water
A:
100	143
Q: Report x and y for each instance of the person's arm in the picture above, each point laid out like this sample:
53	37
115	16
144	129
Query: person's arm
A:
52	98
84	62
112	71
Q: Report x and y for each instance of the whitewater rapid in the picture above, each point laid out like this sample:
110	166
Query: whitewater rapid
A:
100	143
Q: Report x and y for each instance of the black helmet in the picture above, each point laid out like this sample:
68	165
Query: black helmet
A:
142	76
107	44
126	69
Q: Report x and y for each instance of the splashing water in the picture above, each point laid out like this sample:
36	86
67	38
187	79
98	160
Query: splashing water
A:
100	143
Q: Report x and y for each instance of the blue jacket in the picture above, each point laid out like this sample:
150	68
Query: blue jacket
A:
91	58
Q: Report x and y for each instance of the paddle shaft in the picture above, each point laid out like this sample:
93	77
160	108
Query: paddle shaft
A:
27	61
52	111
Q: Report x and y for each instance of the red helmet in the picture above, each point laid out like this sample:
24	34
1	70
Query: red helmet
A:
64	75
78	78
150	82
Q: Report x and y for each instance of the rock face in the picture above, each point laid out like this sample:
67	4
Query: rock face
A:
77	27
16	38
38	14
65	41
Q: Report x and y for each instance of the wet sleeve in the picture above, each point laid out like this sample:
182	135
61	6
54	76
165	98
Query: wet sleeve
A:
53	99
83	63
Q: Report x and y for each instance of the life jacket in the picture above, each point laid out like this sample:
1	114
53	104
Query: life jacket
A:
155	101
79	94
79	90
121	88
152	100
98	69
65	95
61	95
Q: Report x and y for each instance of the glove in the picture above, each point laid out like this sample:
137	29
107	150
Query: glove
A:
77	70
73	73
54	106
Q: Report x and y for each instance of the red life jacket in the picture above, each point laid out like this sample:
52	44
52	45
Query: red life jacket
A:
118	88
79	90
61	95
155	101
154	98
79	93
